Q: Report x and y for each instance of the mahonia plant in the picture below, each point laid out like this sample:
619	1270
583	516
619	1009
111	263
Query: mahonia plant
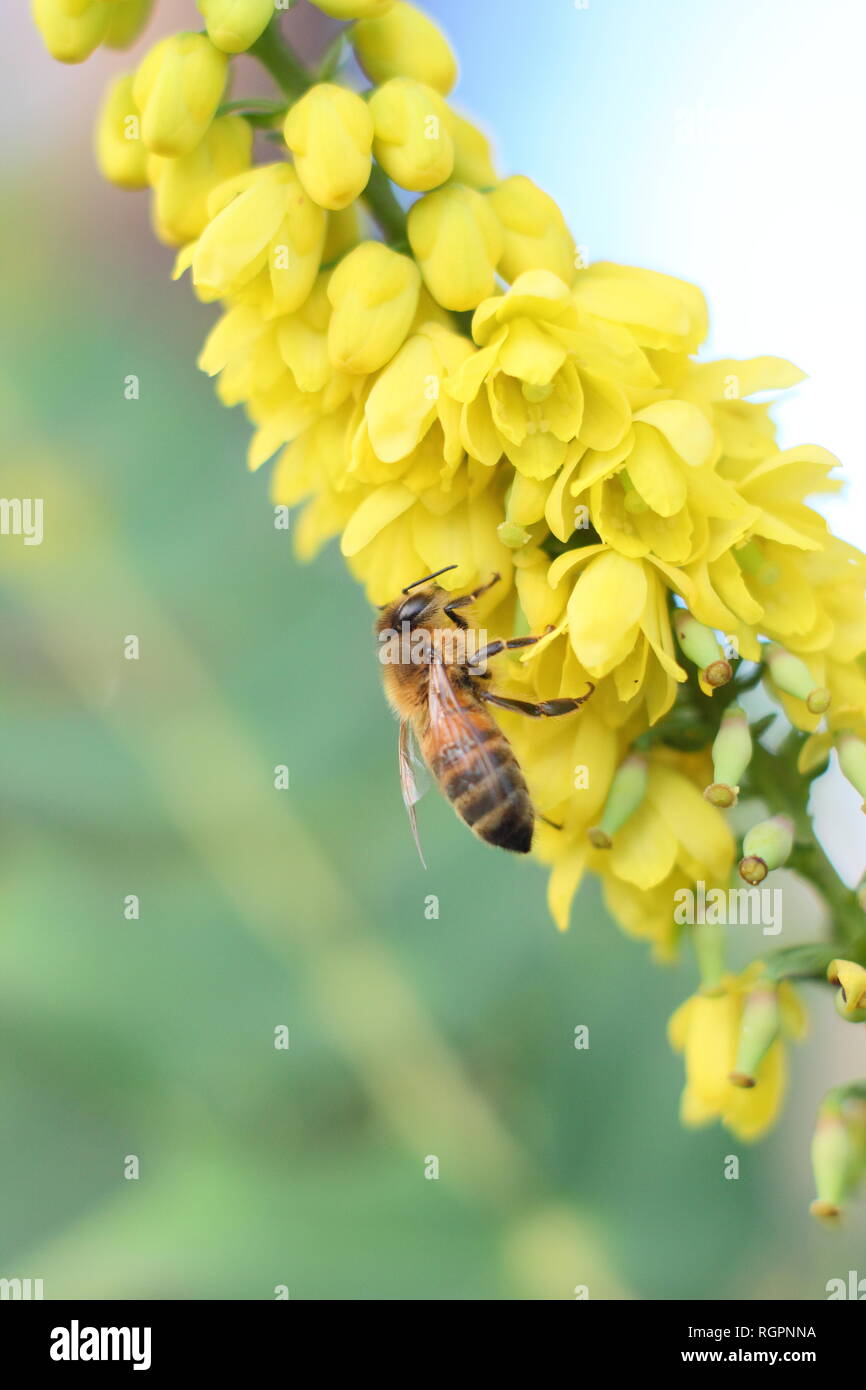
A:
444	380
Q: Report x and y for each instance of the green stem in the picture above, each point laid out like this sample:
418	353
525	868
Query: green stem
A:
847	919
260	113
252	104
775	779
275	54
806	962
382	202
287	70
709	943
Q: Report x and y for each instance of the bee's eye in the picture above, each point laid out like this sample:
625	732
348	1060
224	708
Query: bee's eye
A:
411	608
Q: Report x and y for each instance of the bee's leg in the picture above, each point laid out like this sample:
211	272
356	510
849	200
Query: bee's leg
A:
464	600
502	645
543	709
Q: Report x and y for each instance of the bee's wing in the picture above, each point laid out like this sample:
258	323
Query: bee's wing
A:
451	726
409	761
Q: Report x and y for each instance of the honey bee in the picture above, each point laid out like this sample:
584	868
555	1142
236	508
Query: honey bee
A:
441	699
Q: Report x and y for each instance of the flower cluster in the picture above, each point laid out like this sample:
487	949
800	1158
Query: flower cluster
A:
441	380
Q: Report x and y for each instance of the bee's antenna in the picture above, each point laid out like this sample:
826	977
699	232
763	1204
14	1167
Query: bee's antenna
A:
436	575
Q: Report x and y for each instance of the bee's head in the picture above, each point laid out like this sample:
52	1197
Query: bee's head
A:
413	609
415	605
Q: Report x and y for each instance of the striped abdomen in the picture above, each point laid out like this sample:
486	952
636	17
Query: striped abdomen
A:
482	778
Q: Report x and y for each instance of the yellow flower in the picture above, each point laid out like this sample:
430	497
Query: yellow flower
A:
540	381
671	839
412	134
126	21
658	492
535	236
616	621
183	186
353	9
404	42
659	311
265	238
393	532
343	233
330	133
473	155
374	295
721	389
303	476
280	369
120	150
233	25
177	89
457	242
786	572
852	761
408	427
674	839
851	997
302	338
777	488
706	1029
72	32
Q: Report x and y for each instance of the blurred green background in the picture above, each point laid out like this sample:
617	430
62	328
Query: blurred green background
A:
305	908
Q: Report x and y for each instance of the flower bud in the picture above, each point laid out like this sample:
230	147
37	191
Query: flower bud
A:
261	221
374	295
627	791
177	89
752	561
412	134
330	133
71	35
852	761
126	21
342	235
732	752
793	676
457	242
535	235
183	186
405	43
701	646
120	151
234	25
473	156
766	846
851	997
303	339
760	1026
512	535
353	9
838	1150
